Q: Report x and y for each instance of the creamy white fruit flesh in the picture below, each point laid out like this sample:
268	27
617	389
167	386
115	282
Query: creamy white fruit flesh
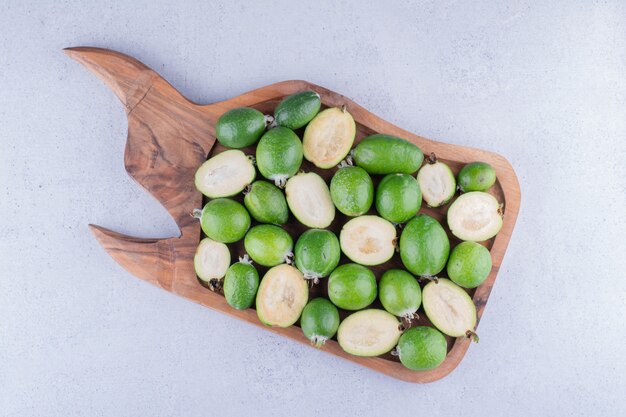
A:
449	308
225	174
211	260
329	137
368	240
309	200
437	183
282	295
369	333
475	216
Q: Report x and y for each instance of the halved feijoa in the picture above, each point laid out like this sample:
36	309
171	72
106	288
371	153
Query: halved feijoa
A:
282	295
424	246
400	293
317	253
211	260
268	245
449	308
386	154
352	190
329	137
352	287
437	183
369	333
319	321
225	174
240	127
279	155
475	216
224	220
297	110
398	197
240	284
477	176
469	264
422	348
266	203
368	240
309	199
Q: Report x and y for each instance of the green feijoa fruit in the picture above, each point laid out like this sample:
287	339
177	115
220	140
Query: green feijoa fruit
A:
319	321
266	203
369	333
477	176
240	127
211	260
398	197
240	284
297	110
282	295
225	174
352	287
385	154
329	137
279	155
424	246
309	199
268	245
224	220
368	240
317	253
422	348
437	183
475	216
469	264
449	308
399	293
352	190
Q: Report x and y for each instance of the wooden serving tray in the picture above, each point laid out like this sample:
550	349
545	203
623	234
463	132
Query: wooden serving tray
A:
169	137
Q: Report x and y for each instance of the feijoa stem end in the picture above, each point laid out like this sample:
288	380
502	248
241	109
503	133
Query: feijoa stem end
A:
470	334
196	213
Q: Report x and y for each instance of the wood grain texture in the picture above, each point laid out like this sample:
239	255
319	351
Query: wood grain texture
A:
170	136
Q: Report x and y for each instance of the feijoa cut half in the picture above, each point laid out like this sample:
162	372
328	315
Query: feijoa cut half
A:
317	253
266	203
352	190
398	197
225	174
469	264
268	245
399	293
329	137
475	216
309	199
297	110
319	321
352	287
282	295
437	182
240	284
424	246
422	348
240	127
211	260
449	308
370	332
279	155
368	240
224	220
476	176
386	154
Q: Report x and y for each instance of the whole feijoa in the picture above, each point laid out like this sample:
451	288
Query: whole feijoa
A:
469	264
399	293
317	253
240	127
398	197
477	176
352	190
240	284
279	155
386	154
352	287
268	245
297	110
266	203
424	246
422	348
319	321
224	220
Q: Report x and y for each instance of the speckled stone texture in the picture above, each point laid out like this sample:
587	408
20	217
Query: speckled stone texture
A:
542	83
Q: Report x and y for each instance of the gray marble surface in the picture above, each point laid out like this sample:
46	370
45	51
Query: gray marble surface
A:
542	83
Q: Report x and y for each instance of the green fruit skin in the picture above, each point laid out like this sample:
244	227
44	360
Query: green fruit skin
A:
399	292
469	264
266	203
352	287
240	285
319	321
268	245
477	176
317	253
422	348
297	110
352	191
224	220
279	153
240	127
398	197
385	154
424	246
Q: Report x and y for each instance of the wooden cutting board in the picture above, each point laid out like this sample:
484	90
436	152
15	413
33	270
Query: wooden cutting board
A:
169	137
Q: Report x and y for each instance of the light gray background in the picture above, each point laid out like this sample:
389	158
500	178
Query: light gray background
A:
542	83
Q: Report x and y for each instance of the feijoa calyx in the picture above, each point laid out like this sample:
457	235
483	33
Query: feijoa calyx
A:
369	332
268	245
329	137
279	155
224	220
266	203
211	260
398	197
240	127
475	216
449	308
469	264
240	284
368	240
317	253
352	190
424	246
352	287
309	199
437	182
319	321
422	348
297	110
225	174
399	293
476	176
386	154
282	295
